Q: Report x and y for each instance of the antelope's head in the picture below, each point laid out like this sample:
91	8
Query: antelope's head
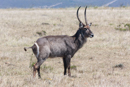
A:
84	29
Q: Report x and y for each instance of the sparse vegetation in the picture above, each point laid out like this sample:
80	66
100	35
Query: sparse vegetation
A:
73	67
47	69
94	62
110	24
41	33
32	62
94	24
95	7
123	27
119	66
127	26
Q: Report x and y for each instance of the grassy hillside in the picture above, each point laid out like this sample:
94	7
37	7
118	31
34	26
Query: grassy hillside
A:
102	62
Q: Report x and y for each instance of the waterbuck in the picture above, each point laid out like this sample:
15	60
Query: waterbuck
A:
61	46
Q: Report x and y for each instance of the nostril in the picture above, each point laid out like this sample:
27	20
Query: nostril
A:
92	35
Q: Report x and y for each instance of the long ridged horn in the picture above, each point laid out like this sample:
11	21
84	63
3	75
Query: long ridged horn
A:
85	16
78	15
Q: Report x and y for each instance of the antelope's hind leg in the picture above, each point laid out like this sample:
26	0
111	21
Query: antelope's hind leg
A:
36	67
38	70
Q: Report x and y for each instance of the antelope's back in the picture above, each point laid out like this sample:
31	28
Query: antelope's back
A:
57	46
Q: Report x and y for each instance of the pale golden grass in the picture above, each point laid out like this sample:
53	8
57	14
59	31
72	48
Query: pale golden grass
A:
94	62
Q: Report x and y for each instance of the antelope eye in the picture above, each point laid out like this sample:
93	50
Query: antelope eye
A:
85	28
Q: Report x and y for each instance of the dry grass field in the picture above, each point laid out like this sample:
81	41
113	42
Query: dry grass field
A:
104	61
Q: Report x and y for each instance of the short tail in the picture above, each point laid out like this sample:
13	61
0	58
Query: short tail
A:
25	48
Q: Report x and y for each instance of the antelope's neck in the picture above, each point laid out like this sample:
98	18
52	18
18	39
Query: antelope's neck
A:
80	41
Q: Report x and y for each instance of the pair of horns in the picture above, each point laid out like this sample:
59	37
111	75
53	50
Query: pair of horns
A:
84	15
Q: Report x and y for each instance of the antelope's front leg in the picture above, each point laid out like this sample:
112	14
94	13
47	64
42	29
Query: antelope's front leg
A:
69	72
66	61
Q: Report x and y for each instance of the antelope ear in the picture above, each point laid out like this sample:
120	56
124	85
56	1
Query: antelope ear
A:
81	25
90	24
